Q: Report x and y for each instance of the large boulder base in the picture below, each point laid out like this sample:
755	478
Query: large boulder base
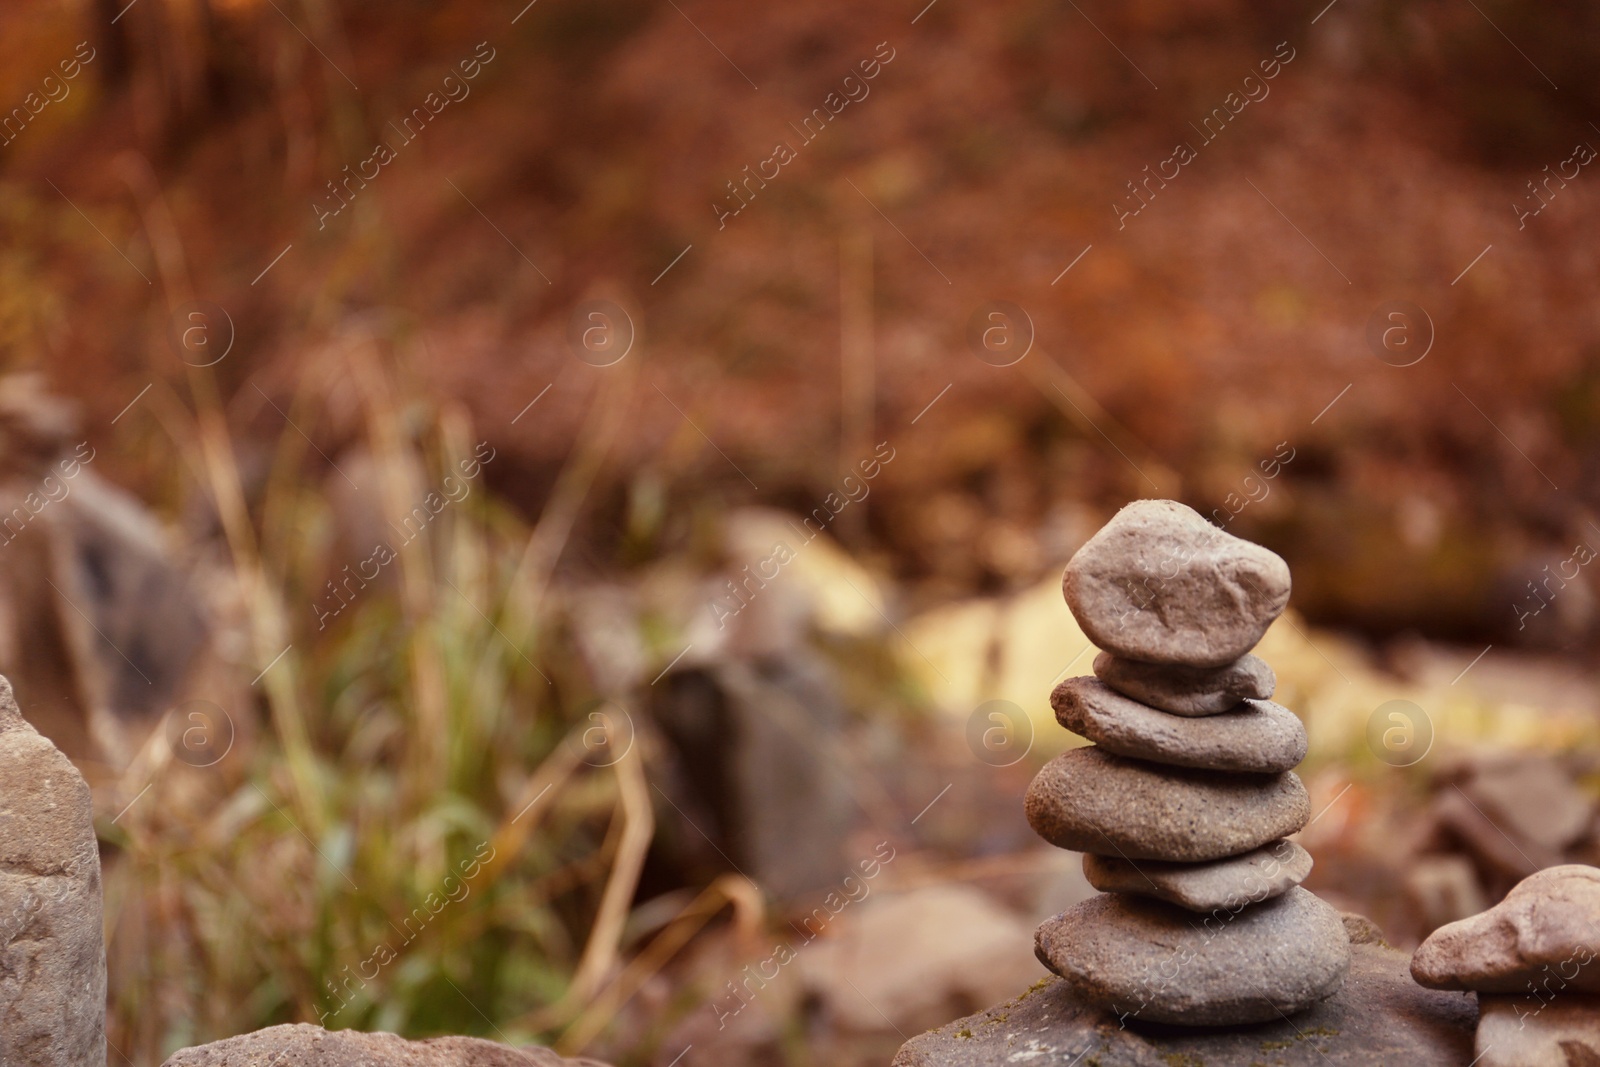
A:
303	1045
52	952
1379	1016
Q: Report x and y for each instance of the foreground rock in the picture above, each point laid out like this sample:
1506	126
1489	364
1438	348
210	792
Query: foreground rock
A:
1379	1016
1258	736
1149	960
303	1045
1188	690
1161	584
52	955
1528	1032
1089	801
1268	872
1545	934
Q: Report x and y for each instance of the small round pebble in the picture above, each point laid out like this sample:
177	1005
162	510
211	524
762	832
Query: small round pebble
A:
1188	690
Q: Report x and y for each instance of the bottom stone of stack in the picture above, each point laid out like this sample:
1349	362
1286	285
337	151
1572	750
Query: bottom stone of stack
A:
1153	961
1379	1016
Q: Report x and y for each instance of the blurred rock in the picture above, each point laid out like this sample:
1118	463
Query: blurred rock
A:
1516	813
906	960
303	1045
757	774
100	628
1534	799
1379	1017
1444	889
52	953
1059	885
779	566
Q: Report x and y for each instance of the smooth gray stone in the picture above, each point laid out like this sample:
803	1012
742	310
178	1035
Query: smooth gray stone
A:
1379	1016
1161	584
1152	961
1545	933
1267	872
1088	800
1258	736
1188	690
52	948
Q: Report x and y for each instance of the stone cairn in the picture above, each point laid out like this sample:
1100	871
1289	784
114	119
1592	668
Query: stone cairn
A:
1184	801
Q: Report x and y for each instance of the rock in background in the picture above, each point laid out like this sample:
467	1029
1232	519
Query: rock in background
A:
101	629
52	956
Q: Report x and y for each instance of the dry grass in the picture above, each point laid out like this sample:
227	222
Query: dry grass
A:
420	842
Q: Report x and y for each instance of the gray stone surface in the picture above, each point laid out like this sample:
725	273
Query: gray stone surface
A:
1088	800
1145	959
1188	690
1267	872
1546	931
1379	1017
1526	1031
1161	584
1258	736
303	1045
52	953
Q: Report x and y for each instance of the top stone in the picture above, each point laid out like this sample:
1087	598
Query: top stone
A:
1161	584
1543	938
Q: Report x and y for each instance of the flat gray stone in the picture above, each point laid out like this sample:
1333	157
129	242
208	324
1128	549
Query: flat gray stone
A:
1546	931
1516	1031
52	952
1267	872
1258	736
304	1045
1188	690
1147	959
1088	800
1379	1016
1161	584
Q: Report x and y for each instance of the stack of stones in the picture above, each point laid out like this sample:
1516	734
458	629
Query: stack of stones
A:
1185	799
